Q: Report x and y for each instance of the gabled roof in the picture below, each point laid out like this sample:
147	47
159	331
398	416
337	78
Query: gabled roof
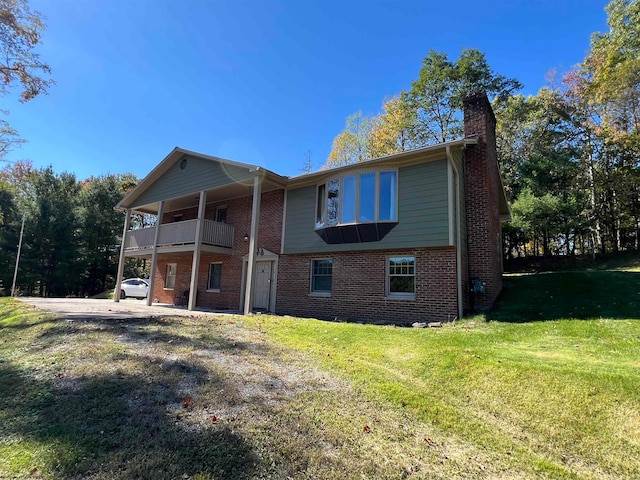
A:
397	159
176	154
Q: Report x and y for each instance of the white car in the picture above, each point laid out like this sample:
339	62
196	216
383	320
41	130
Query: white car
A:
134	287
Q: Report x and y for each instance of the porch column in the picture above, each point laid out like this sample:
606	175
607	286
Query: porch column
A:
154	254
195	266
253	244
127	223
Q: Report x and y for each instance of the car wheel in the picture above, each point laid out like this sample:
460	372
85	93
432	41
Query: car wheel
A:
122	294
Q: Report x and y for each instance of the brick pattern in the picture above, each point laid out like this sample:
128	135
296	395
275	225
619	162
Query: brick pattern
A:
359	286
482	200
239	215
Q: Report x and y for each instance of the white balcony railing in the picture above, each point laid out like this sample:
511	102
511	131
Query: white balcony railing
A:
180	233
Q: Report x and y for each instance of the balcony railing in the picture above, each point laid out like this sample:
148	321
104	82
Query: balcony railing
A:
180	233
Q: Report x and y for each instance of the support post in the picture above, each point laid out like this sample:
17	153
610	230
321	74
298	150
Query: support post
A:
253	244
127	223
154	254
195	266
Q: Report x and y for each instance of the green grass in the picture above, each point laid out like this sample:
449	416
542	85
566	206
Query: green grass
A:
547	388
105	294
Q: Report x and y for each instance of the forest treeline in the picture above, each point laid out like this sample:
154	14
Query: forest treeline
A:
72	233
569	155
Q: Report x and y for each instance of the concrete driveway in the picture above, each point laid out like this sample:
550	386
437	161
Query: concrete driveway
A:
87	308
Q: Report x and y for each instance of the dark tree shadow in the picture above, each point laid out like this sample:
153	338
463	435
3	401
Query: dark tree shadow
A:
118	425
568	295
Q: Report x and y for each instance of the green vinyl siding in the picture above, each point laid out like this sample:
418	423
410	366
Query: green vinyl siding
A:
198	175
422	214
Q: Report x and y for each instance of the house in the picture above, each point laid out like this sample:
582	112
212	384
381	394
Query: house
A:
408	237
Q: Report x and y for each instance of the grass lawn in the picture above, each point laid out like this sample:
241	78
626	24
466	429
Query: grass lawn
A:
548	388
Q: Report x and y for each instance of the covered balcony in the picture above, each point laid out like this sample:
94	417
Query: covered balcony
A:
180	237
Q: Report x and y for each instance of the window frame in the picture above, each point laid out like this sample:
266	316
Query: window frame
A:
399	295
322	189
219	209
320	293
209	288
168	275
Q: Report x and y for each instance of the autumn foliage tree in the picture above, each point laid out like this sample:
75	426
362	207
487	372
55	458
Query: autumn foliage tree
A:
429	112
20	65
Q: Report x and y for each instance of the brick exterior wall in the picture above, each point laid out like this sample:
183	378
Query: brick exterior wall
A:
239	215
482	200
359	286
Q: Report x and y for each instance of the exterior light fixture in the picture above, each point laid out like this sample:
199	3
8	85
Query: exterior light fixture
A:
246	237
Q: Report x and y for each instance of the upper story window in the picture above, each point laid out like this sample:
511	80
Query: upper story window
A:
359	198
221	214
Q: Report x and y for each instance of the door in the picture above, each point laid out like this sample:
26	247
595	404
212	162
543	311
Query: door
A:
262	286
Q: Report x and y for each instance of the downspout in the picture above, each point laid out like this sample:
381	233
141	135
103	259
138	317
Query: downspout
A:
458	240
127	223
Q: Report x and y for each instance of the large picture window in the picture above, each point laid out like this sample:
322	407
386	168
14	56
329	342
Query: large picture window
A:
170	278
367	210
387	197
401	277
364	198
215	275
321	274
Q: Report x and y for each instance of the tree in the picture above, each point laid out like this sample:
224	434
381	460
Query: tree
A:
20	65
539	154
394	129
100	229
436	96
353	144
606	91
307	166
9	219
430	112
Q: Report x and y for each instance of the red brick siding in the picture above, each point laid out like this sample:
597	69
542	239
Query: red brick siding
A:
358	287
239	215
482	200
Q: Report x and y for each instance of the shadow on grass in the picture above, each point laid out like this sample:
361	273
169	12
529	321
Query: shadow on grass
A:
133	330
564	295
120	426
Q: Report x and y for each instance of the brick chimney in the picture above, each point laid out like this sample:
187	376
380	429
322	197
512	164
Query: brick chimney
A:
482	197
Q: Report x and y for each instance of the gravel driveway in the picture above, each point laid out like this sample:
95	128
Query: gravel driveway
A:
88	308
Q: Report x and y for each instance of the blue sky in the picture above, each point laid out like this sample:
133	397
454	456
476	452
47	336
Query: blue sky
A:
260	81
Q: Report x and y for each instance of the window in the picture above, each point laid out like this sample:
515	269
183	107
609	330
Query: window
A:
320	206
367	211
321	273
401	277
170	278
333	202
215	274
364	198
387	198
348	200
177	218
221	214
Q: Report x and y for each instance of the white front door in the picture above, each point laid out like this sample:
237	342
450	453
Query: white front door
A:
262	285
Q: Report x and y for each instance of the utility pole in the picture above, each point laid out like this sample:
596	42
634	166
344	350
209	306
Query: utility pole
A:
15	273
